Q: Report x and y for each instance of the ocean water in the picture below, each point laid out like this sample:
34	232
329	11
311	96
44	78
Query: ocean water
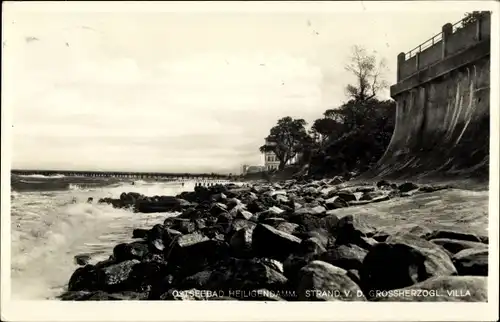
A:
51	222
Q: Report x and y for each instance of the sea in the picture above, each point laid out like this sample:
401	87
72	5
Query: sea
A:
51	222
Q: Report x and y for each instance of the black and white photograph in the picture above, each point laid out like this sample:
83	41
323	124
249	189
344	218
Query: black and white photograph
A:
240	154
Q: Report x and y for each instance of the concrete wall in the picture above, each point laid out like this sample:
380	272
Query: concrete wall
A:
446	44
443	117
442	127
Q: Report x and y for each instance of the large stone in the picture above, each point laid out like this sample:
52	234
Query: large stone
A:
345	256
241	242
85	278
349	229
241	213
185	226
472	261
195	251
455	245
407	186
287	227
314	211
238	274
336	202
115	277
140	233
391	266
270	242
135	250
439	289
403	261
452	234
346	195
437	260
320	281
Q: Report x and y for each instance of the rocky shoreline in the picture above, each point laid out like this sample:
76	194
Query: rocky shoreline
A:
283	242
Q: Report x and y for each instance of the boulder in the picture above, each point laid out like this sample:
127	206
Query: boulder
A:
456	245
240	212
314	211
135	250
185	226
140	233
452	234
472	261
241	242
349	230
403	261
346	195
407	186
193	252
238	274
82	259
335	202
320	281
273	243
345	256
287	227
437	259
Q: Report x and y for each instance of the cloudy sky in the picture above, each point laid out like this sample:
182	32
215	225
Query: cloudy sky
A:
183	91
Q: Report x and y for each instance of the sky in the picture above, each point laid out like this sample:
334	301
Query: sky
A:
182	91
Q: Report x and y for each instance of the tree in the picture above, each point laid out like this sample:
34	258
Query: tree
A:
368	73
471	17
287	138
326	128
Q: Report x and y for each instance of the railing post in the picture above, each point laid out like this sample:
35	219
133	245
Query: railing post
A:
478	28
447	31
401	60
417	61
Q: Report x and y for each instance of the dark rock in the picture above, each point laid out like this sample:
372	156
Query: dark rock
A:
434	188
407	186
273	221
125	252
82	260
336	202
84	279
312	211
115	277
383	183
140	233
437	259
287	227
347	195
455	245
307	222
183	225
218	208
102	296
353	274
440	289
238	274
165	204
391	266
270	242
350	229
450	234
345	256
403	261
320	281
472	261
240	212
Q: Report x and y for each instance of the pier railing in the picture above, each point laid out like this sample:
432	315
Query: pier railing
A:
452	39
